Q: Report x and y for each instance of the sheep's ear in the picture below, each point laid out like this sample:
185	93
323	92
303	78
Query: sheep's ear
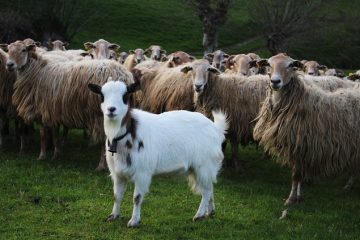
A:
89	45
163	59
296	64
38	44
87	54
66	44
95	88
4	46
209	55
226	55
31	48
340	73
192	58
214	70
322	67
163	51
133	87
303	61
252	63
114	46
262	63
186	69
131	51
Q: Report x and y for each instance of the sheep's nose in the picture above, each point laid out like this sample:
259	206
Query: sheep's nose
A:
275	81
217	65
112	109
138	60
9	64
311	73
198	87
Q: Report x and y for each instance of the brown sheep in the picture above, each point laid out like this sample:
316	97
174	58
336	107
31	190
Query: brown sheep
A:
101	48
313	68
177	58
56	93
136	56
240	64
238	96
313	131
217	59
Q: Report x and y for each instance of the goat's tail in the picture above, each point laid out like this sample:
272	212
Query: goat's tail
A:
221	121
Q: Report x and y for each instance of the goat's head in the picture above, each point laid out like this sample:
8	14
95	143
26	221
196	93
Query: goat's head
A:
114	98
200	71
156	52
19	54
101	48
313	68
282	69
139	55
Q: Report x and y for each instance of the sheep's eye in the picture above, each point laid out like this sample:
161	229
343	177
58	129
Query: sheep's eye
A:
125	98
102	98
24	50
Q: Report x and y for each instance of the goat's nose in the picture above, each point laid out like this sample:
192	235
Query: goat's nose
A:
112	109
275	81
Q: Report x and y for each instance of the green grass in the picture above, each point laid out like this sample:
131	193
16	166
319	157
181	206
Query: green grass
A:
66	199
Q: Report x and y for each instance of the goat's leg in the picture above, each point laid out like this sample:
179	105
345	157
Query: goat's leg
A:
141	188
43	141
205	199
56	141
349	184
119	190
102	163
235	156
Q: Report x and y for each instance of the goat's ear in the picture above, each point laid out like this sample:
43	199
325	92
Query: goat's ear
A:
114	46
296	64
322	67
31	48
94	88
186	69
214	70
89	45
252	63
262	63
131	51
4	46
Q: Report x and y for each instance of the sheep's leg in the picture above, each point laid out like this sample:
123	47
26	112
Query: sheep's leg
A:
43	141
102	163
56	141
64	135
295	193
141	188
2	123
205	200
23	131
350	183
119	190
235	156
6	126
211	206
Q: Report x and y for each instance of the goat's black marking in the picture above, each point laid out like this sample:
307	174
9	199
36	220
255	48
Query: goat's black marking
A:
141	145
128	159
137	199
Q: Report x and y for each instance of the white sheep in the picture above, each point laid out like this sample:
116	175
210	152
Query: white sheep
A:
141	144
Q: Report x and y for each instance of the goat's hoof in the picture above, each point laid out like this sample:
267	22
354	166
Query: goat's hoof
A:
133	224
111	218
292	200
100	168
198	218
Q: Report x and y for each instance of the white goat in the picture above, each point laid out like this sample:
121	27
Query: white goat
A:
141	144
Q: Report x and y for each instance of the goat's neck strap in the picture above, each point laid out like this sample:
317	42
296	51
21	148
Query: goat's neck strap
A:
113	144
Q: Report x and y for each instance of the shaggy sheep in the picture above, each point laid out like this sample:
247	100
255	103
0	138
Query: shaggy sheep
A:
313	68
334	72
241	64
156	52
101	48
55	93
237	95
58	45
141	144
136	56
217	59
178	58
311	130
122	57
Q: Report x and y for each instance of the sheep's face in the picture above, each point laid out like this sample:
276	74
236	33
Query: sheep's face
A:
217	59
242	64
19	54
156	52
101	48
139	55
282	69
200	71
114	96
59	45
113	55
178	58
122	57
313	68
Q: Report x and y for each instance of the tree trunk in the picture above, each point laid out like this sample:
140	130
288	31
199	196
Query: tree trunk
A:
275	45
210	41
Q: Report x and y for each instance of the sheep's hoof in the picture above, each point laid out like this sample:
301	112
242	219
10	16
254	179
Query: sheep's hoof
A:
198	218
111	218
42	157
133	224
211	214
347	188
292	200
56	156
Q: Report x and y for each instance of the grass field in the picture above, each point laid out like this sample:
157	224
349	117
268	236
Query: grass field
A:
67	199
